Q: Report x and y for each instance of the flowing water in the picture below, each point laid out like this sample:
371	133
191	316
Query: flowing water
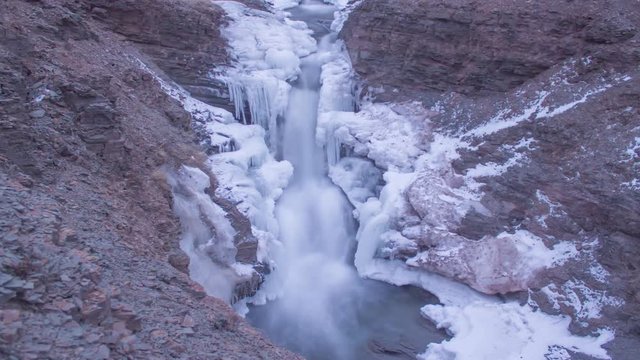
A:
324	310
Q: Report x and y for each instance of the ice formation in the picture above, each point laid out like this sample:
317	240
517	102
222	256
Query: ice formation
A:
267	51
390	136
207	235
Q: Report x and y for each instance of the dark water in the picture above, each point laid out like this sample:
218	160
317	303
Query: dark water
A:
388	326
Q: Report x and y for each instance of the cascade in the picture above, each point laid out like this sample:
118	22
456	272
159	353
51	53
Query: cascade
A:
316	303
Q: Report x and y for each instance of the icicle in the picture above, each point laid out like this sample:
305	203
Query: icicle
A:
332	146
266	99
236	93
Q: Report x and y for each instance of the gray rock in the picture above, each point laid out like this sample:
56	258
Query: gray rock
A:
37	114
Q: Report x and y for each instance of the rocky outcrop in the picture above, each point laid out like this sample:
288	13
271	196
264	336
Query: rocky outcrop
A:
480	47
90	265
540	100
187	50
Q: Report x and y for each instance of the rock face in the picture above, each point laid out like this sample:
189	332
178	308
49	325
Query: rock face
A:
544	96
90	265
479	47
187	50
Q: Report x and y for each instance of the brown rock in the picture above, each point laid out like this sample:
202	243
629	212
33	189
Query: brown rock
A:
119	329
477	47
159	334
95	307
62	305
10	334
126	313
9	316
127	344
176	347
170	32
180	261
188	321
64	235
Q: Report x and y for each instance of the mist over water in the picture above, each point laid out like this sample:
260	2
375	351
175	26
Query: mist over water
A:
324	310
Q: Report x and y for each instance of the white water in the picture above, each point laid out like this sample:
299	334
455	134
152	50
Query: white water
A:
323	309
313	272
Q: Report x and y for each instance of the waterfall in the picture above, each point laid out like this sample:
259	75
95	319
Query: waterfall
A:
314	272
316	303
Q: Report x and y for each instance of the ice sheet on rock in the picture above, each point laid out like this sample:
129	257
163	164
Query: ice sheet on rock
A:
337	92
264	96
506	262
375	217
261	40
252	179
359	179
267	49
340	17
245	169
376	132
484	331
207	235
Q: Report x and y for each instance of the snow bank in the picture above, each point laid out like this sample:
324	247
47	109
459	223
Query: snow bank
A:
488	331
504	263
267	49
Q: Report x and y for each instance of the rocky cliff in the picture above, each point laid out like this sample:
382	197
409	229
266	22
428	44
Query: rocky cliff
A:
90	265
533	108
478	47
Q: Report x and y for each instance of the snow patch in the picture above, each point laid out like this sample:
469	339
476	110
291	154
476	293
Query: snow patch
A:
587	303
631	153
507	331
547	113
376	132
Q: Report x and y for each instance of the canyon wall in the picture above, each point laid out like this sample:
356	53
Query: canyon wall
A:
540	100
479	47
90	265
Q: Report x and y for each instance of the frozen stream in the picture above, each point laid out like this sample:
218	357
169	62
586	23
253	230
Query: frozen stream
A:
324	310
314	301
